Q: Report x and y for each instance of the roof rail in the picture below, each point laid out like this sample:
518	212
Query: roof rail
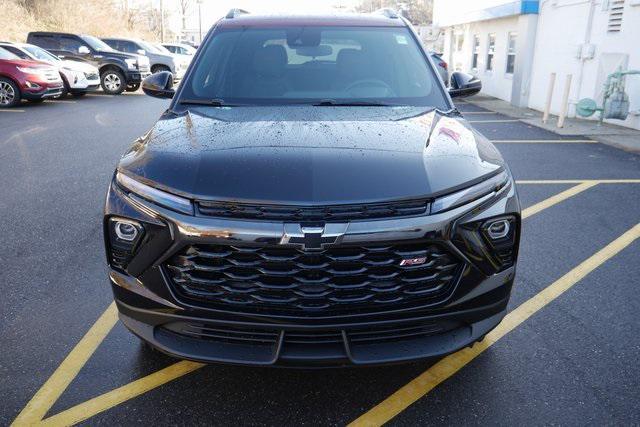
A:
233	13
388	12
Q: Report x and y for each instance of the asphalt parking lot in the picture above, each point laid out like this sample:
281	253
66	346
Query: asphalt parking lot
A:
566	354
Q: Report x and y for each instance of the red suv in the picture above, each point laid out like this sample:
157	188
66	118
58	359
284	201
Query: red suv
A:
31	80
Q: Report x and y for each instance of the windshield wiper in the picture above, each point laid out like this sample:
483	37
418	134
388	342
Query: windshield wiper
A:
334	103
216	102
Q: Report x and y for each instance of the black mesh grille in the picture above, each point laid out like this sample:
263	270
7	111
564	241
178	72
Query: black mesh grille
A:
278	279
316	213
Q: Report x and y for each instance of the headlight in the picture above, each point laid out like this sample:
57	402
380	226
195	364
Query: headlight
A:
159	197
132	63
29	70
470	194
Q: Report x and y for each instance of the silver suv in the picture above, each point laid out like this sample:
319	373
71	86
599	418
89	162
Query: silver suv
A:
159	61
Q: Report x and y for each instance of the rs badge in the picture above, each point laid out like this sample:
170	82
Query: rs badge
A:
413	261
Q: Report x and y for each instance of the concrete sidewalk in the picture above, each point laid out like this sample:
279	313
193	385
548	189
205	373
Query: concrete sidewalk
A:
607	133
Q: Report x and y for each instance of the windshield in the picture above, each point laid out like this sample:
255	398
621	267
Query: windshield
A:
41	54
297	65
96	44
148	47
190	50
162	49
5	54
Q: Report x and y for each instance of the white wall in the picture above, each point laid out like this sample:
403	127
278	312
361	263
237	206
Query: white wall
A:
561	32
495	82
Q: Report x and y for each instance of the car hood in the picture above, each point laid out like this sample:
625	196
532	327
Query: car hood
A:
27	63
79	66
117	54
310	155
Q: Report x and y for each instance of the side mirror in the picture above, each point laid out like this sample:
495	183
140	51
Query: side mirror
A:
141	52
83	50
463	84
159	85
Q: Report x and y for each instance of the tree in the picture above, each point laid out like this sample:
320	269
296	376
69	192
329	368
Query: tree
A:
185	6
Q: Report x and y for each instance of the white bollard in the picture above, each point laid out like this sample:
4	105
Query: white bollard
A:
547	107
565	101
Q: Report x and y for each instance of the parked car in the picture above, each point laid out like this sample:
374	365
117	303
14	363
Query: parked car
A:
185	58
180	48
314	199
78	77
21	79
441	66
159	61
118	71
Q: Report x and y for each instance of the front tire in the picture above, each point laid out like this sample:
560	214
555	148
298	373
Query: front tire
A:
112	82
10	95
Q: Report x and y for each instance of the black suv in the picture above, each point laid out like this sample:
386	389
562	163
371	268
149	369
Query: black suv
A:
118	71
311	197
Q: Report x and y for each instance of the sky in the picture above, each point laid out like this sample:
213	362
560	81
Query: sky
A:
212	10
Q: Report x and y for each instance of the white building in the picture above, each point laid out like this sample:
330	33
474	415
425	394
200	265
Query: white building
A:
514	46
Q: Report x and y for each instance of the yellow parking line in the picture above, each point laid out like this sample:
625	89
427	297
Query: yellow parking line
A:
115	397
446	367
544	141
2	110
57	383
532	210
55	386
494	121
578	181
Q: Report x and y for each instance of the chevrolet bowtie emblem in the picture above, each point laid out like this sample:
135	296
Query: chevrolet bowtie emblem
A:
313	238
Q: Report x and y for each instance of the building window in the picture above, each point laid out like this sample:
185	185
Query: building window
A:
459	42
491	50
511	52
475	52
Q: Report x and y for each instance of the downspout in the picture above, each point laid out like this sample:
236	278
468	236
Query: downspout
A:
587	41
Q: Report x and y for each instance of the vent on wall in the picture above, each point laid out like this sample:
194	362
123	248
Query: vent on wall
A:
616	11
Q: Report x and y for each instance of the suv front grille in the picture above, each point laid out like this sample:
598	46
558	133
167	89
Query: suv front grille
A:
287	280
328	213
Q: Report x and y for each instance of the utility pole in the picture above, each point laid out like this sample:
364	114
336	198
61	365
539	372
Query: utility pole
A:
200	18
161	21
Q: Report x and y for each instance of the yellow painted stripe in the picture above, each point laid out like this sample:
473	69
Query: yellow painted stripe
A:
578	181
446	367
115	397
544	141
553	200
51	390
2	110
494	121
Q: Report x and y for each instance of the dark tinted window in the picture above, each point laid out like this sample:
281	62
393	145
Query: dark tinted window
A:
114	44
70	44
45	42
127	46
308	64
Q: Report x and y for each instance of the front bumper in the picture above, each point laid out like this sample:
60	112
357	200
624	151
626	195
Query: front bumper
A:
151	309
48	90
136	76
